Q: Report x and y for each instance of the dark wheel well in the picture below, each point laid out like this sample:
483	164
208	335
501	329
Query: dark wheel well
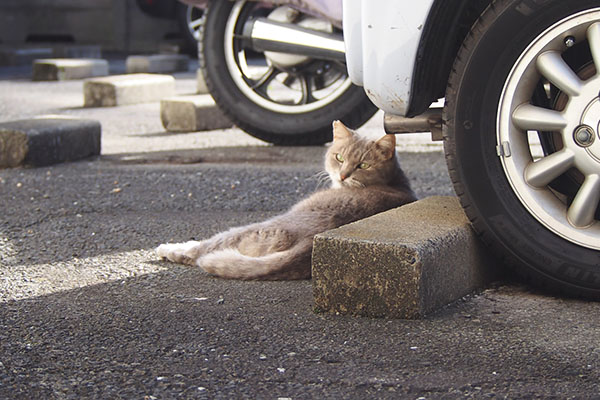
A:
445	29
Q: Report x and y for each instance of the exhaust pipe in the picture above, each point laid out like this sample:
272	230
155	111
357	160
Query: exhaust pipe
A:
429	121
268	35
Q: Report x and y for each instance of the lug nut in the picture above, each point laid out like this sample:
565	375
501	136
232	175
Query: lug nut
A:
584	135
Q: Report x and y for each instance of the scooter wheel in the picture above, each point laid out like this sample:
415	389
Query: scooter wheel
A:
283	99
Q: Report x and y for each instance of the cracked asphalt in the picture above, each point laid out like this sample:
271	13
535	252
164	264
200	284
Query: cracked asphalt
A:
88	311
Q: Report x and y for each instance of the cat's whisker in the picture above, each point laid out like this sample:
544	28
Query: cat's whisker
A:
322	178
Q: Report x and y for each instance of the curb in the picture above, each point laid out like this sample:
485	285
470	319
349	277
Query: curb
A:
157	63
48	140
23	55
402	263
201	87
191	114
119	90
59	69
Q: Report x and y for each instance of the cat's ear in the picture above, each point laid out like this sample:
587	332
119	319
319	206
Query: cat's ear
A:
386	146
340	131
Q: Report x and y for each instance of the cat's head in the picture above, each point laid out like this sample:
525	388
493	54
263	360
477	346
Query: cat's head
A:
356	161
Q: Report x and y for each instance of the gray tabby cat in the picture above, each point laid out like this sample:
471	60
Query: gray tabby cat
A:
366	179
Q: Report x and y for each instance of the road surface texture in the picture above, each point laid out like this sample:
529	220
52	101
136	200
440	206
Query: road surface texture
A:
88	311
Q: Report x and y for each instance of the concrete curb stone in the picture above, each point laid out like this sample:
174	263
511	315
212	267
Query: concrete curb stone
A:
48	140
157	63
77	51
403	263
26	54
191	114
200	83
119	90
58	69
22	56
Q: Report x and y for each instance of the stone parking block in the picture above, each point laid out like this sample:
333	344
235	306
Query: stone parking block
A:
403	263
59	69
77	51
23	56
157	63
191	114
48	140
127	89
27	54
200	83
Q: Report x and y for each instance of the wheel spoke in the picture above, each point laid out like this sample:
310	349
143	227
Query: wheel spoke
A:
529	117
289	80
261	84
319	82
555	69
582	210
306	85
195	24
593	35
540	173
194	27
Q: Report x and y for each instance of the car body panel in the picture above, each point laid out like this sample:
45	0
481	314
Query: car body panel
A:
384	67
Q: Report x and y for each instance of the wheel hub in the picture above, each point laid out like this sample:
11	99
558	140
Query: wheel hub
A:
583	135
575	120
583	141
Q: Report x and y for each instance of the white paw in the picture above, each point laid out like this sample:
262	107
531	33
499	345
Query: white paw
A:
164	250
177	252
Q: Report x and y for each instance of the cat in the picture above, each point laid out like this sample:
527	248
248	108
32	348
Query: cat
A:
366	179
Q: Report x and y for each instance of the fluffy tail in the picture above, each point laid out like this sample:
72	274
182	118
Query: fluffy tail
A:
293	263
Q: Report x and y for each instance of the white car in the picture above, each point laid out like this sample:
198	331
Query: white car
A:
520	122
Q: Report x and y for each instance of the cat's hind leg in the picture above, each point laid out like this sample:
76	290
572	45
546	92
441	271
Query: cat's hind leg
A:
189	252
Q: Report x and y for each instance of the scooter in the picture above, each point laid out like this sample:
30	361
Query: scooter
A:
277	68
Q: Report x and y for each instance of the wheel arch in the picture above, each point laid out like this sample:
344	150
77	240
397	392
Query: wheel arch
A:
446	27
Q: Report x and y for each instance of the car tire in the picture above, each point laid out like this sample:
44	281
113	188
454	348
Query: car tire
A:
518	61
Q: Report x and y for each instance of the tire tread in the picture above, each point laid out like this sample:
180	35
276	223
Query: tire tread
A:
480	227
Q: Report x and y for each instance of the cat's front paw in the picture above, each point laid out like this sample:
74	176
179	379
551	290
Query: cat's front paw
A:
176	252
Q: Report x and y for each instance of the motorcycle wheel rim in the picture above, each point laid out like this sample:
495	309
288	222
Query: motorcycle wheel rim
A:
239	70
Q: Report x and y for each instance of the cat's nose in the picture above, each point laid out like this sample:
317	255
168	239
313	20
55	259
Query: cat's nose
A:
343	177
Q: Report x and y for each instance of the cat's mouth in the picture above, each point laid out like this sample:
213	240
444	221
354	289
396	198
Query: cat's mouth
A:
350	182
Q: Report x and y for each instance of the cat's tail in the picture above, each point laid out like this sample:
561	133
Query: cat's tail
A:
293	263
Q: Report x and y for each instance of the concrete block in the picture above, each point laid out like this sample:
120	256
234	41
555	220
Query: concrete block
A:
59	69
200	83
192	114
23	56
158	63
127	89
48	140
403	263
77	51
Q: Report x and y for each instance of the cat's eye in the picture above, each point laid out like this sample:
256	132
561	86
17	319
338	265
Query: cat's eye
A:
339	157
363	165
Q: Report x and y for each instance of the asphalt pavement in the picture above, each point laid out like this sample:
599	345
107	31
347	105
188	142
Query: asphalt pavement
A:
88	311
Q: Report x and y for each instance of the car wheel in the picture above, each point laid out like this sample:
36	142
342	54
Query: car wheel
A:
284	99
522	143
